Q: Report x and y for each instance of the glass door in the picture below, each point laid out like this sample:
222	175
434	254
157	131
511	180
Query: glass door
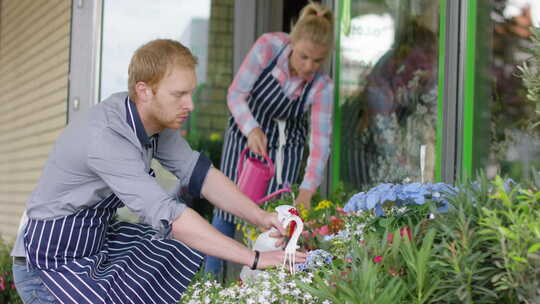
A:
497	110
386	92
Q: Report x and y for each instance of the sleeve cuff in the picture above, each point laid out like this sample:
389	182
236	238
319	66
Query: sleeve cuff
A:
199	175
248	126
309	185
164	228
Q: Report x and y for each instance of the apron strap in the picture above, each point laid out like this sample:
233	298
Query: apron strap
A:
281	143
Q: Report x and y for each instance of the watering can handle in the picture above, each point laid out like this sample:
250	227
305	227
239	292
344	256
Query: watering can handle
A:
242	158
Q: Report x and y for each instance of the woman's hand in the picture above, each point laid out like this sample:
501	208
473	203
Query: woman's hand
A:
304	198
275	258
257	141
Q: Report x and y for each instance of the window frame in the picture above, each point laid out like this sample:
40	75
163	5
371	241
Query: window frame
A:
85	56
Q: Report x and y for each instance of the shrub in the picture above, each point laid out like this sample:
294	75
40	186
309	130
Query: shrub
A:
8	293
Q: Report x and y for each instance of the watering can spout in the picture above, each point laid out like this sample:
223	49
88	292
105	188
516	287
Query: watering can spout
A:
273	194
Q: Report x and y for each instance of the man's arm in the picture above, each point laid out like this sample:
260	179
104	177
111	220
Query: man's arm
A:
195	171
193	230
223	193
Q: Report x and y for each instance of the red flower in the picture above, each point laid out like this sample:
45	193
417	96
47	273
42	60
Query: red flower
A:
402	232
322	230
344	273
377	259
13	285
390	238
336	224
2	283
405	230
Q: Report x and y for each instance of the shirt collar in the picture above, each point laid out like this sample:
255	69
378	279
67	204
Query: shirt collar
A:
134	121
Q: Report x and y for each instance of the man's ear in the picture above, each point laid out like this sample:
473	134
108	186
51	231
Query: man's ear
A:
144	92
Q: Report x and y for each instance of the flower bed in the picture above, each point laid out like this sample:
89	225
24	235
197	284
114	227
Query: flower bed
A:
417	243
8	293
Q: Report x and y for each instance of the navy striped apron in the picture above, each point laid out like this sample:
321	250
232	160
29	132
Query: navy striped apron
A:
267	102
91	257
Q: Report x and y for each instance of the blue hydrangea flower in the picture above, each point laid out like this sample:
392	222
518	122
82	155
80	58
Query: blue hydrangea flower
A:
401	194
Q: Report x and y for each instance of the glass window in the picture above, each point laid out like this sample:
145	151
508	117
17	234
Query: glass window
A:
515	145
388	91
127	24
206	27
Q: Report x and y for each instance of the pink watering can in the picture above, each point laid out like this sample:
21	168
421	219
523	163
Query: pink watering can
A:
254	177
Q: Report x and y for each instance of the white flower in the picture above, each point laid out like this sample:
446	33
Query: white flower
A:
306	280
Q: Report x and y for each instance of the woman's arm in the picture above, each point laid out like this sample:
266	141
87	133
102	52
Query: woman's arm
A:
319	144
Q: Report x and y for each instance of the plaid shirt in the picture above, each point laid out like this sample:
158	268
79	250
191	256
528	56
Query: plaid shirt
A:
320	98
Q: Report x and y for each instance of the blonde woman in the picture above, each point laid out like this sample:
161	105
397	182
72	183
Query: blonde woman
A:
277	96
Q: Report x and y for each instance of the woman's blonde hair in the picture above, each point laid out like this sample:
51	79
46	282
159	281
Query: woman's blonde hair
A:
316	24
153	60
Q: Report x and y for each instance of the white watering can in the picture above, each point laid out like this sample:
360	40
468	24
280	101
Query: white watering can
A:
286	215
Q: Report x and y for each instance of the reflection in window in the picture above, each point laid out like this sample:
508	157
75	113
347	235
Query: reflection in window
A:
388	93
127	24
515	147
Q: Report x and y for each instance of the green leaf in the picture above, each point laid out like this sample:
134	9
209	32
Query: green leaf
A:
519	259
534	248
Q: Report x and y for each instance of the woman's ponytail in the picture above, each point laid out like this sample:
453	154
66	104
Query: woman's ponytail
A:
316	24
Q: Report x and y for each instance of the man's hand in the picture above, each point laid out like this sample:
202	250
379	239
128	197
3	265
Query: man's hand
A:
304	198
269	220
257	141
275	258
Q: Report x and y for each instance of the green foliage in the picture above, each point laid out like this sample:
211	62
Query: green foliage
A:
396	218
514	229
420	266
211	146
464	265
361	280
530	73
485	249
382	270
8	293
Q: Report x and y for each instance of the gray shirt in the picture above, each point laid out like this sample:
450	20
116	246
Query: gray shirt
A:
108	151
